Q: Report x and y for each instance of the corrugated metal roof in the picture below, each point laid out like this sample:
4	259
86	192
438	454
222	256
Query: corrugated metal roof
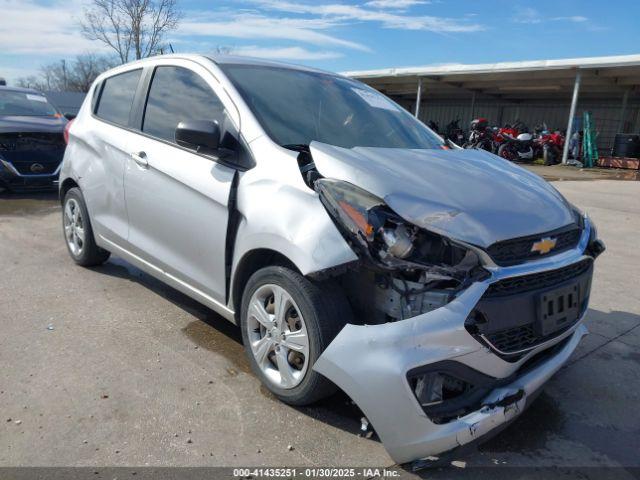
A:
529	65
602	76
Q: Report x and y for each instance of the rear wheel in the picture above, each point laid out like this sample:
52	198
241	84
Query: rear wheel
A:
77	230
287	321
549	156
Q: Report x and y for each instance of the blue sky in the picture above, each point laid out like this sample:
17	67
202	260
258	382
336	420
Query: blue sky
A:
345	35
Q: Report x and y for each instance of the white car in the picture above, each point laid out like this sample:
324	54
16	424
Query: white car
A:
439	288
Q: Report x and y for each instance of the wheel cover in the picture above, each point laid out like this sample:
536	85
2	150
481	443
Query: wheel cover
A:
278	336
74	229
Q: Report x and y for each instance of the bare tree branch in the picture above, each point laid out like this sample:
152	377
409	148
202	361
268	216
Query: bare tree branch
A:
132	28
74	76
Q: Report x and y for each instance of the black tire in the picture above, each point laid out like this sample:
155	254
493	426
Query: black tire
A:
549	156
91	254
505	151
485	145
325	310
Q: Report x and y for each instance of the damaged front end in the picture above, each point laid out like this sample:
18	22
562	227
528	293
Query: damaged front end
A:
421	360
404	270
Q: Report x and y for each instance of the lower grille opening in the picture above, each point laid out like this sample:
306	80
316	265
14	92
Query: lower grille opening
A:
513	339
517	314
449	390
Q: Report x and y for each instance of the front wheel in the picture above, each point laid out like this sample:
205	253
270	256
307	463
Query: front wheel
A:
287	321
505	151
485	145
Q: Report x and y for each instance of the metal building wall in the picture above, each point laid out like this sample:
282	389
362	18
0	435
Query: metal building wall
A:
606	114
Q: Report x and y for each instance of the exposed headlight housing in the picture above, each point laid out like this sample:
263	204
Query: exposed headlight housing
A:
388	240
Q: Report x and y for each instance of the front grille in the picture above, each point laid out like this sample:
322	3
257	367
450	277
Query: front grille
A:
536	281
30	141
518	250
510	316
514	339
47	164
33	153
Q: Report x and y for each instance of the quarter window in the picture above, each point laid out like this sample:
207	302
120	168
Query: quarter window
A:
117	97
178	94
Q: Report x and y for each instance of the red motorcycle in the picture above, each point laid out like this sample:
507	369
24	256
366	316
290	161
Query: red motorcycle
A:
500	135
514	142
552	145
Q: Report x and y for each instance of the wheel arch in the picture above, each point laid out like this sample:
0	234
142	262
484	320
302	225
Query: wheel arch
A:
67	184
250	263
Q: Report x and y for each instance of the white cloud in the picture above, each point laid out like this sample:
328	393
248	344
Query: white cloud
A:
28	27
346	13
395	4
254	26
284	53
527	15
574	18
532	16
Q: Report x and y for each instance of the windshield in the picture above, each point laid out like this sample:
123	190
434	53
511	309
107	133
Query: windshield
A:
297	107
27	104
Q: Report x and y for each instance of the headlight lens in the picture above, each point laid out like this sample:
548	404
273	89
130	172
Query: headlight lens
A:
578	215
380	232
350	205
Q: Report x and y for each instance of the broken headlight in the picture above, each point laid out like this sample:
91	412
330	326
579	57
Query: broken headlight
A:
382	234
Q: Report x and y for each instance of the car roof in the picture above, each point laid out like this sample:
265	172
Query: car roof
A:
220	59
238	60
20	89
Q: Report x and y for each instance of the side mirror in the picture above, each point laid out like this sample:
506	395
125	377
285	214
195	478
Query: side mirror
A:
198	134
69	116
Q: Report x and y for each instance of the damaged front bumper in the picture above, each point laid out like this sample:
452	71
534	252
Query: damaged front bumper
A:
373	365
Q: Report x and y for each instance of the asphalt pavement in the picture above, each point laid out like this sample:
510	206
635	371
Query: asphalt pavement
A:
110	367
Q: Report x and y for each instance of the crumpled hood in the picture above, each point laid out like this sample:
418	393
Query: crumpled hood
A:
26	123
468	195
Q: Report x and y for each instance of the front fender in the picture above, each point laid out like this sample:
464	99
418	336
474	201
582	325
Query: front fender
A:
280	213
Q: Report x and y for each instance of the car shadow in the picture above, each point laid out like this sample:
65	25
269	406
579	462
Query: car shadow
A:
215	333
545	419
28	202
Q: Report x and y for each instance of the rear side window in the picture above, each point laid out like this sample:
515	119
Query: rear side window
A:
178	94
117	96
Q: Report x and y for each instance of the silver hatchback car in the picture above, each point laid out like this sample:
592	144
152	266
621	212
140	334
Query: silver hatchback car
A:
439	288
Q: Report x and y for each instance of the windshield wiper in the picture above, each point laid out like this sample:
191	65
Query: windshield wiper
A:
298	147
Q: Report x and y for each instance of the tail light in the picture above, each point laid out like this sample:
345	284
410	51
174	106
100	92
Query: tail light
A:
65	132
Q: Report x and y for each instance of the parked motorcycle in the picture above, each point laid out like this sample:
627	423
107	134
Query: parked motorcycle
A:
515	143
480	135
454	133
552	145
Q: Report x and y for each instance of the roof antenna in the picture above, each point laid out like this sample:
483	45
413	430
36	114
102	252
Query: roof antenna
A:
171	48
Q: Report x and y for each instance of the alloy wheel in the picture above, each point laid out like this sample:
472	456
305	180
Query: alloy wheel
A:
278	336
74	230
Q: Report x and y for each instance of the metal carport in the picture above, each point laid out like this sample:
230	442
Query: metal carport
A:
532	91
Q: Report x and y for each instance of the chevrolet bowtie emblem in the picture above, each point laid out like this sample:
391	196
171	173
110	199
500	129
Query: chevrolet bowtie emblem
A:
545	245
